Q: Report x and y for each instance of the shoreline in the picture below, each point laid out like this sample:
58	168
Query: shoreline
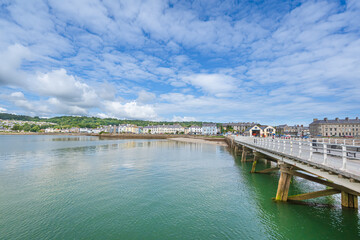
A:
184	138
220	142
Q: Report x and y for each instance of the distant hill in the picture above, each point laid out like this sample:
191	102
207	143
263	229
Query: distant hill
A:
9	116
90	122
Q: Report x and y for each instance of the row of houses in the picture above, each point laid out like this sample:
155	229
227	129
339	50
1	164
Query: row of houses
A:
255	129
293	131
205	129
9	124
326	128
237	127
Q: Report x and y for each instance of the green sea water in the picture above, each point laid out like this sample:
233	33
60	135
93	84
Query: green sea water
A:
59	187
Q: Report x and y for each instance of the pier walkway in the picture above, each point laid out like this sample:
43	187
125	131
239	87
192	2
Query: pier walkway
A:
331	162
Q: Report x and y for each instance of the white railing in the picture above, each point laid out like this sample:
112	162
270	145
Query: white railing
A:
334	153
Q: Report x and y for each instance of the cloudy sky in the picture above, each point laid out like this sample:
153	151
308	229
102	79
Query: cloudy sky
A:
269	61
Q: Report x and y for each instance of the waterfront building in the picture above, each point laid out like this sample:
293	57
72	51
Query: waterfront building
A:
260	131
83	130
286	130
267	131
147	129
164	129
133	129
186	130
195	130
128	128
49	130
337	127
209	129
122	128
96	130
238	127
293	131
74	130
253	131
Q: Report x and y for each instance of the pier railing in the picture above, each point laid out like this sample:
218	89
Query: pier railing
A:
339	154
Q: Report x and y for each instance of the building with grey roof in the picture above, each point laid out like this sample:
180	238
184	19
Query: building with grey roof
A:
164	129
337	127
209	129
238	127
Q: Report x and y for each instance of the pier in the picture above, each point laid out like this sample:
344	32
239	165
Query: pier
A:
334	163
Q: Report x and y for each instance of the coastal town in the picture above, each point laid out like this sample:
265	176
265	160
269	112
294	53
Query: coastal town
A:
191	119
318	128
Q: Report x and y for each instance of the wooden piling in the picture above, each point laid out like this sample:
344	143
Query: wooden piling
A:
284	184
235	149
243	155
348	200
268	170
316	194
254	164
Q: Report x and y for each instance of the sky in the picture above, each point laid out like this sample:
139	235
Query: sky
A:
266	61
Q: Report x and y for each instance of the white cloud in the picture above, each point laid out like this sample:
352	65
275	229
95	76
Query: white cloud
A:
59	84
12	58
183	119
218	84
145	97
61	107
17	95
102	115
130	110
3	109
32	107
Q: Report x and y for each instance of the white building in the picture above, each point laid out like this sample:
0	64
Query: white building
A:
260	131
128	128
164	129
122	128
267	131
49	130
195	130
83	130
209	129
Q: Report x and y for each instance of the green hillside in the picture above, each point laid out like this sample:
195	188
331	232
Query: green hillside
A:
89	122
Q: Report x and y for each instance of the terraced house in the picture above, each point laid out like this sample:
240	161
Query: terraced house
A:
209	129
238	127
337	127
162	129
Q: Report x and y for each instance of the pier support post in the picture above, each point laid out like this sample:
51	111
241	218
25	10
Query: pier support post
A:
284	183
243	156
237	150
348	200
254	163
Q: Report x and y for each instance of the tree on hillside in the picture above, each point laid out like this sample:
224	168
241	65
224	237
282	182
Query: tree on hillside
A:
35	128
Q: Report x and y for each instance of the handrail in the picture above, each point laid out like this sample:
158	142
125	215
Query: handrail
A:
335	154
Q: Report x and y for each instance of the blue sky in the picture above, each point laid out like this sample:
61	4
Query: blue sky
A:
269	61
